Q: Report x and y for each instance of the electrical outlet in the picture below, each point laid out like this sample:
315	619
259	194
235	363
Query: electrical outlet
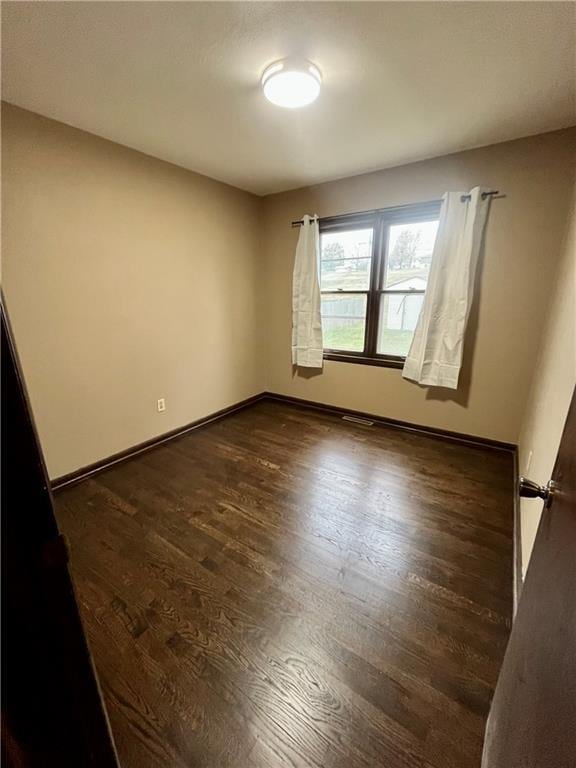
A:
161	405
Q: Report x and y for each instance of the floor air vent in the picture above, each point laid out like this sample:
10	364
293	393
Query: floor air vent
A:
357	420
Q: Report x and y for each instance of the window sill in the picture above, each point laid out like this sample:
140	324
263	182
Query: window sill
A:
383	362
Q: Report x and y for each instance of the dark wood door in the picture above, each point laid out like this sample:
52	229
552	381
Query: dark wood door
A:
52	713
532	723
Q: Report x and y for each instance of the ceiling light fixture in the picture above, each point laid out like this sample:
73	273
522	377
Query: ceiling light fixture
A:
291	83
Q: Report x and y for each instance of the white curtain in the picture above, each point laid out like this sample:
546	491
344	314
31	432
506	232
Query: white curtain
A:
307	349
435	355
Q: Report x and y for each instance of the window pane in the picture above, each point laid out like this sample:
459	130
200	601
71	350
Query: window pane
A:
398	317
343	322
345	260
410	249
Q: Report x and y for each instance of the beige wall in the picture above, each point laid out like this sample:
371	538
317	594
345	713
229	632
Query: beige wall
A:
552	387
523	238
127	279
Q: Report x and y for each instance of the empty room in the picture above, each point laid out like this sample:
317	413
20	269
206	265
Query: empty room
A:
288	373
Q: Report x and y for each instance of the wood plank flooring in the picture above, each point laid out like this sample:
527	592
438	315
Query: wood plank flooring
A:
286	589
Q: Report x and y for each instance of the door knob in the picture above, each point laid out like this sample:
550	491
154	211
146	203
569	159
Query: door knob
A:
528	489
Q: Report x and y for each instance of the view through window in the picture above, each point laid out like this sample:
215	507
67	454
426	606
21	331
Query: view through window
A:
374	272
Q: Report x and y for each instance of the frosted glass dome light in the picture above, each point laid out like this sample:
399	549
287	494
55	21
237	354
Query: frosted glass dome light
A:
290	83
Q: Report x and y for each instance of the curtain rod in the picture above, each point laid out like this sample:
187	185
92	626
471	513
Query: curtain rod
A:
494	194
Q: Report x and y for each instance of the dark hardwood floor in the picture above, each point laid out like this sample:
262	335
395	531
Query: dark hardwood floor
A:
284	588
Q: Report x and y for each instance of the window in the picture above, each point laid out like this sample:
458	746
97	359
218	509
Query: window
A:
373	276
